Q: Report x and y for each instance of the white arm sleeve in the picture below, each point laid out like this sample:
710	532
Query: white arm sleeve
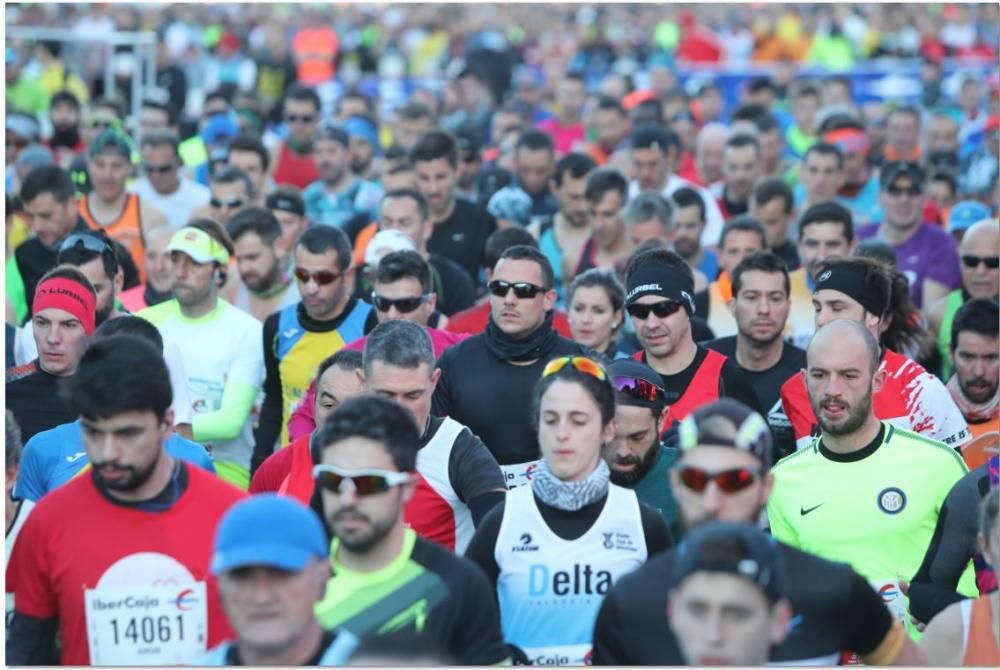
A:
178	381
25	349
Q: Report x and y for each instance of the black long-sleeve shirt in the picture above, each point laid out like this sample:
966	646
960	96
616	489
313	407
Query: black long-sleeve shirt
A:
492	397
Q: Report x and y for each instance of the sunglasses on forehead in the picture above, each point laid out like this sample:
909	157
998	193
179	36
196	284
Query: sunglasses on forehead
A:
322	278
581	363
973	262
361	482
661	309
402	305
640	389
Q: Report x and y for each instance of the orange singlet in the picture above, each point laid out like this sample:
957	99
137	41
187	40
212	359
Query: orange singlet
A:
126	229
980	644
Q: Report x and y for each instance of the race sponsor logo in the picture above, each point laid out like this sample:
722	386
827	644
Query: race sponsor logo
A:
525	544
581	580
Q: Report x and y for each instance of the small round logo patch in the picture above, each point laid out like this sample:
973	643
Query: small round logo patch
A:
824	276
892	500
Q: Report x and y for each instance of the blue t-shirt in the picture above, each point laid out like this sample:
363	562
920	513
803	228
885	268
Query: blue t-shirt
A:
53	457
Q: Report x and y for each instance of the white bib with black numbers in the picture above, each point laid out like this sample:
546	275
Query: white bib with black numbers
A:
551	589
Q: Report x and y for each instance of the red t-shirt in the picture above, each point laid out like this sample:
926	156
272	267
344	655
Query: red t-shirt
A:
273	472
78	546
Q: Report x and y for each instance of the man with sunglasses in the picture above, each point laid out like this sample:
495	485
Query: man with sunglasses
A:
724	475
338	195
407	210
980	255
297	338
162	184
659	298
49	202
859	289
866	492
926	254
220	345
293	159
230	191
388	584
483	379
637	458
123	216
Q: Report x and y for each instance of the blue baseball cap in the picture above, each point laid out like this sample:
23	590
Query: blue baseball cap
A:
219	129
358	126
271	530
966	213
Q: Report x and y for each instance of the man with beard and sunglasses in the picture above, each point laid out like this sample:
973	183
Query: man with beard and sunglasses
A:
110	554
724	475
389	584
637	458
866	492
298	338
659	298
484	379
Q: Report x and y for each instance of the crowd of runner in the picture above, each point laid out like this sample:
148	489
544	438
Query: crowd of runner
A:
504	335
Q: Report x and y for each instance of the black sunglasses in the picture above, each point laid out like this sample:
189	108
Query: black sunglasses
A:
228	204
158	169
322	278
972	262
895	191
300	118
522	290
661	309
402	305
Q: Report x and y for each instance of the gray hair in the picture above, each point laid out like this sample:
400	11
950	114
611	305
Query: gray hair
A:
646	206
402	344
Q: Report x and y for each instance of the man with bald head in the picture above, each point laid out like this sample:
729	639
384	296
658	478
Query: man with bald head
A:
865	492
859	289
708	149
979	252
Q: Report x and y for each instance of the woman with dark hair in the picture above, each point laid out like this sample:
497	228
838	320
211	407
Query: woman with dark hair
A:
556	547
596	301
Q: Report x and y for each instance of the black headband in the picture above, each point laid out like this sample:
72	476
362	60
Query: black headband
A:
662	280
285	204
850	281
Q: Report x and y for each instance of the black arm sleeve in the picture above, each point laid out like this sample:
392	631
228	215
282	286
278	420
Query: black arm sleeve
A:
441	404
935	585
32	641
482	547
735	383
475	475
269	423
655	529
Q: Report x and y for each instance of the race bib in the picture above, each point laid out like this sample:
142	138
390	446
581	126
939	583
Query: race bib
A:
518	474
892	597
155	625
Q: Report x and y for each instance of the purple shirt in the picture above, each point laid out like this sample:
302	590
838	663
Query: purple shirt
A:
930	254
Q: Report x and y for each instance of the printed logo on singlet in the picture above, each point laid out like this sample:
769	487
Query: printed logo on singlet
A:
622	541
581	580
526	544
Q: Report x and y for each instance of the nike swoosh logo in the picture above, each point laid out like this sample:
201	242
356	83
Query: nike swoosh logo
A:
804	511
75	457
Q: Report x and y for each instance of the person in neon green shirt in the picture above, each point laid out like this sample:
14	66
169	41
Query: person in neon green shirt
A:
220	344
865	493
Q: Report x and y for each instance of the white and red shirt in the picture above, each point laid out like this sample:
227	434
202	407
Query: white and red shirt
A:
129	586
911	398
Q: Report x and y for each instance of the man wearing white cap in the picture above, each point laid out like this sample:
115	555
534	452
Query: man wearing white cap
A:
220	345
270	581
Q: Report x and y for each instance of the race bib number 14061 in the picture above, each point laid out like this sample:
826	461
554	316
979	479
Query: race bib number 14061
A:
161	625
